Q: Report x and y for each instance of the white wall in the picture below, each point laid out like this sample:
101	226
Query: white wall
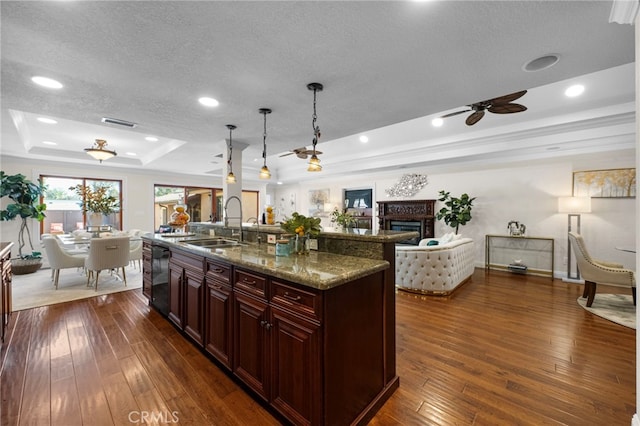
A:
524	192
137	200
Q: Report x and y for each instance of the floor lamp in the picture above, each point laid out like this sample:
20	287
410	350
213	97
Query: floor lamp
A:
573	206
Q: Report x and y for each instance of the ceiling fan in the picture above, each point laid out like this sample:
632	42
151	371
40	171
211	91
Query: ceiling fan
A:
301	152
500	105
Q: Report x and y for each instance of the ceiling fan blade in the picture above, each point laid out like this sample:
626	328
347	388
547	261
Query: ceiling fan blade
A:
507	108
474	118
286	154
507	98
455	113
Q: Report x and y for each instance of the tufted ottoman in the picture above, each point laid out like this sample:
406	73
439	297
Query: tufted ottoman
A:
434	270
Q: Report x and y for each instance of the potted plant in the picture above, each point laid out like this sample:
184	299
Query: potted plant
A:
343	219
25	195
96	201
456	211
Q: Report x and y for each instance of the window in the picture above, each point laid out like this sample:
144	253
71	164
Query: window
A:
203	204
64	211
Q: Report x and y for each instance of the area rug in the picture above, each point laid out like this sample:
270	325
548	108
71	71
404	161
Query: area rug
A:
617	308
37	289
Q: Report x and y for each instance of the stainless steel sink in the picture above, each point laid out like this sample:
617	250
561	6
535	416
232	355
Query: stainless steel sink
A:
212	243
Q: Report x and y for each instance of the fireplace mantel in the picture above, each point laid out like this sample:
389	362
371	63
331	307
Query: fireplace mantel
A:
409	211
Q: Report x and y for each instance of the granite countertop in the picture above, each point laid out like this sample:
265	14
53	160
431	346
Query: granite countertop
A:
319	270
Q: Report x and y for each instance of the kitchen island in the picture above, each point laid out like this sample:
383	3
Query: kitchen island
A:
313	336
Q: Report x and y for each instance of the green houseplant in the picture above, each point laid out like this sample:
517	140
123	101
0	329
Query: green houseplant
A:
25	195
302	227
456	211
342	218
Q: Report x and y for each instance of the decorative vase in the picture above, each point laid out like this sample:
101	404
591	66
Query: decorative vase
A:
95	219
301	244
25	266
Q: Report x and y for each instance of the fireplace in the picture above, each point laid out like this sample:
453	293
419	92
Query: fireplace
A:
407	225
414	215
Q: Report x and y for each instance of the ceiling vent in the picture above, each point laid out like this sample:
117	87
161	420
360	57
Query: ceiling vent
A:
118	122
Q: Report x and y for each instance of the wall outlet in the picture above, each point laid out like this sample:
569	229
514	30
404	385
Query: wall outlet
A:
313	244
212	232
271	250
271	238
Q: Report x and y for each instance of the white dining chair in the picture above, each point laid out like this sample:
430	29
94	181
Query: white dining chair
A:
135	252
107	253
59	259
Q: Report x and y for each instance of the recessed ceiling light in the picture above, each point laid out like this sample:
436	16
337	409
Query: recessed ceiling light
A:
151	139
133	154
49	143
47	82
47	120
364	139
437	122
209	102
575	90
279	183
541	63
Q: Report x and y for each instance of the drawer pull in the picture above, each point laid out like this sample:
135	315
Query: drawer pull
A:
293	298
217	286
246	281
218	270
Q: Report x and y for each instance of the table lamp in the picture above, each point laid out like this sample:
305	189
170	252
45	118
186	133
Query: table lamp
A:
573	206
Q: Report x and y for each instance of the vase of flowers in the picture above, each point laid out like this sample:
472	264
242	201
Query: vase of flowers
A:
96	202
303	228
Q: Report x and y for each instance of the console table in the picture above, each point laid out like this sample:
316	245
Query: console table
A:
535	254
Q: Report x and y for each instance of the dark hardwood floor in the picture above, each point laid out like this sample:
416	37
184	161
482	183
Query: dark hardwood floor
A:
503	350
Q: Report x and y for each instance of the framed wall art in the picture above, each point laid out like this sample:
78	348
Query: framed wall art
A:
612	183
317	200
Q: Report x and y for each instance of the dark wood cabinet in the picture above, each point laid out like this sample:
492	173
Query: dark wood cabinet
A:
186	298
316	356
218	312
147	268
5	287
251	351
295	358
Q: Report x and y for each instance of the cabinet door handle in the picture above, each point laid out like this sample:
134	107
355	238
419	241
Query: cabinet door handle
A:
293	298
265	324
246	281
218	270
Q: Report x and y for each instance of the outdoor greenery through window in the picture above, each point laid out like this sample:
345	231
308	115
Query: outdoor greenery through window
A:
65	203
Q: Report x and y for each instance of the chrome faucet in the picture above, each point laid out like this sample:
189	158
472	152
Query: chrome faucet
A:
258	238
226	216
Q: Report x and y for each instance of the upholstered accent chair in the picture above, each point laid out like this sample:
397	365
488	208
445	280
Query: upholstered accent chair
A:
59	259
110	253
595	271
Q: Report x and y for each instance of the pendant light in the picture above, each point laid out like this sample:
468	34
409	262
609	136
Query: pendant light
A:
314	162
231	178
99	152
264	171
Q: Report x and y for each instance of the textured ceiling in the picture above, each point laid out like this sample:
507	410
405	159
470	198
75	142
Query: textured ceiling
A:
386	67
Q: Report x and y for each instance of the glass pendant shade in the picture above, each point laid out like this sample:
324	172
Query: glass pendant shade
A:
265	173
314	164
231	178
99	152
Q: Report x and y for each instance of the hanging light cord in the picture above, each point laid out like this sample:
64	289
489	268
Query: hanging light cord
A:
264	139
316	129
229	163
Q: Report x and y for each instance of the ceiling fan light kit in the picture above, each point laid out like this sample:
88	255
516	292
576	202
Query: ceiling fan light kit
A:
500	105
99	152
